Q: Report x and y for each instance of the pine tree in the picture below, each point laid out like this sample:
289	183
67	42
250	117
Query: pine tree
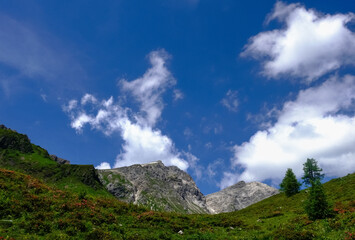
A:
312	172
290	185
316	205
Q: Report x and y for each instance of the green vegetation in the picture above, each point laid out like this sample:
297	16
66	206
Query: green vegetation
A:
312	172
289	185
18	154
316	205
10	139
30	209
40	199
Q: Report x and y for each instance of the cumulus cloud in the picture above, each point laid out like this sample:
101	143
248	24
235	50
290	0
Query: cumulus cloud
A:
230	101
319	124
309	45
103	165
143	142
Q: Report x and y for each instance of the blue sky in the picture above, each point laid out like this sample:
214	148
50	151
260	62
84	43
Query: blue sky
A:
226	90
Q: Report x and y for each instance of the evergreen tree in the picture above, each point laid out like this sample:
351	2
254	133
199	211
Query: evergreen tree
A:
290	185
312	172
316	205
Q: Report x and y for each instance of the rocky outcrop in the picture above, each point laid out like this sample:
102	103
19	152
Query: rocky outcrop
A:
10	139
59	160
156	186
238	196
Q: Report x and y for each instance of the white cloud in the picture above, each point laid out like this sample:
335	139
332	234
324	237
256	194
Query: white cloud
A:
79	122
193	164
72	104
310	45
213	167
228	179
143	142
319	124
230	101
148	89
103	165
88	98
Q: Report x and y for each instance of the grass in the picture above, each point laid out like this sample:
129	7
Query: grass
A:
31	209
40	199
77	178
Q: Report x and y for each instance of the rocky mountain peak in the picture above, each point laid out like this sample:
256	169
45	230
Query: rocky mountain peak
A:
155	185
238	196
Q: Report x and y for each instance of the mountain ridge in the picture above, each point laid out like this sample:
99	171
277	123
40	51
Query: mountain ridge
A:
159	187
163	182
42	199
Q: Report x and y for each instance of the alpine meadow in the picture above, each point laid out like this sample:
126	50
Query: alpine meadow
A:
177	119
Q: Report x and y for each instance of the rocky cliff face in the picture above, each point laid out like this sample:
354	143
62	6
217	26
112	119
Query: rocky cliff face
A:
155	185
238	196
171	189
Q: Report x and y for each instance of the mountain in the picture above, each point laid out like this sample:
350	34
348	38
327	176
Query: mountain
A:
32	209
159	187
238	196
43	199
163	188
154	185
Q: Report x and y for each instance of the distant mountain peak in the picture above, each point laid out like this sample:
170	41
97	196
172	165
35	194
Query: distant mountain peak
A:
170	189
238	196
155	185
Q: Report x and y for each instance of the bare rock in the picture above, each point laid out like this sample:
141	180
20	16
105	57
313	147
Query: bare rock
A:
59	160
238	196
156	186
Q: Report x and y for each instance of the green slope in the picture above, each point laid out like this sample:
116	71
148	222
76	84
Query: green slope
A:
280	217
18	154
30	209
40	199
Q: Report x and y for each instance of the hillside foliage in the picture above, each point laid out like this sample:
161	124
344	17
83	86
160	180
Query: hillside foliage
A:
41	199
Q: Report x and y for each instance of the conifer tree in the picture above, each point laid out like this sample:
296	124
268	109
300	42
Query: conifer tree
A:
316	205
290	185
312	172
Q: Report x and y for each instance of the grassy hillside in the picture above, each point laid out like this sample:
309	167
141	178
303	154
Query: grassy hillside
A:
18	154
30	209
281	217
41	199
